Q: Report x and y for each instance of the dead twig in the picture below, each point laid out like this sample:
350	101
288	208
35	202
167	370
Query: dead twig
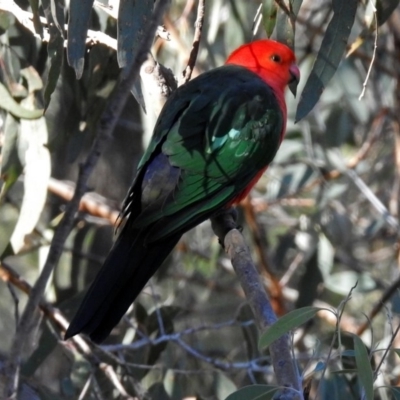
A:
187	73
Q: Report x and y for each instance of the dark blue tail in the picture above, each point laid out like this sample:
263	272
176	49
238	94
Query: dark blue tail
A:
128	267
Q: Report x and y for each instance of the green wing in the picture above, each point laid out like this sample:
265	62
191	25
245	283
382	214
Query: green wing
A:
212	138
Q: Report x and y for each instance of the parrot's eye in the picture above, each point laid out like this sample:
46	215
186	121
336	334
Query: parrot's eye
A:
276	58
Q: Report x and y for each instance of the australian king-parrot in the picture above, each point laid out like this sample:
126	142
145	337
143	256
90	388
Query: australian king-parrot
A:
214	138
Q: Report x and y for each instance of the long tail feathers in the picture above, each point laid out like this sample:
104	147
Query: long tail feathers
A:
125	272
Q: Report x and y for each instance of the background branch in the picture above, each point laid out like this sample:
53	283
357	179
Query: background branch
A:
107	123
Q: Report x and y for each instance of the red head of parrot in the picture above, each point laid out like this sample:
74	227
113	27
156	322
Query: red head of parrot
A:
274	62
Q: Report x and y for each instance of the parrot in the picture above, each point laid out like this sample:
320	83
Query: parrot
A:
213	139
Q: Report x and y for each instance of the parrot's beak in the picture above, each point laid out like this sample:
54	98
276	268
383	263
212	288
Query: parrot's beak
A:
294	78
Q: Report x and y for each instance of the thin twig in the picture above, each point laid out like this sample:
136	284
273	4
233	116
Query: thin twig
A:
106	125
375	132
187	73
388	347
386	296
373	54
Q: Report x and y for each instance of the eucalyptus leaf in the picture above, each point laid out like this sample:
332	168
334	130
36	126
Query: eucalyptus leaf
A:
78	25
8	103
285	28
269	13
364	370
329	56
32	149
133	16
287	323
55	47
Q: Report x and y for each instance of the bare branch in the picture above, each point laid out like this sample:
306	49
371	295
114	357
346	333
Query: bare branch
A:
187	73
285	367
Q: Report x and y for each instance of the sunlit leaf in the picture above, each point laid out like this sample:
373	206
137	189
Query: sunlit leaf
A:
254	392
364	369
285	324
36	157
9	104
329	56
78	25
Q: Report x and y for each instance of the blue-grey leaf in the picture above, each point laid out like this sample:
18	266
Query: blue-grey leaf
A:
78	25
364	370
133	16
329	56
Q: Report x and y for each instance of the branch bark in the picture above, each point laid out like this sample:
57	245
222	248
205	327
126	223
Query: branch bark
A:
187	73
286	372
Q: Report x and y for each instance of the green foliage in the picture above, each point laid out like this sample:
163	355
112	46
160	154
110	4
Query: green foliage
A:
329	56
364	369
287	323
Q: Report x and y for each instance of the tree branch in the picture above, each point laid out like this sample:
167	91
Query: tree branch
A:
287	375
108	120
187	73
